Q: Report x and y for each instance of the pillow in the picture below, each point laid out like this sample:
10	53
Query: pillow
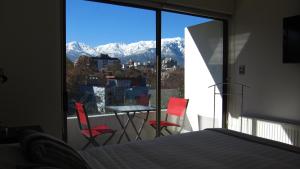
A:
41	148
34	166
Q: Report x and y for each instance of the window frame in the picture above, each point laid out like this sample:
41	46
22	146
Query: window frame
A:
158	59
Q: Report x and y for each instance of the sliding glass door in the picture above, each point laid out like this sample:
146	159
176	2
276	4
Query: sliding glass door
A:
125	56
192	60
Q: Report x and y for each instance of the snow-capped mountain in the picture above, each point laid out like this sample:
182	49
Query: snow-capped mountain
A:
138	51
76	49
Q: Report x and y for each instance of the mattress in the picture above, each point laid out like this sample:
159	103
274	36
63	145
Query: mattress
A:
207	149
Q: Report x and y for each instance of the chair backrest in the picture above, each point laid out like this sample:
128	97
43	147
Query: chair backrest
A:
82	116
143	100
177	106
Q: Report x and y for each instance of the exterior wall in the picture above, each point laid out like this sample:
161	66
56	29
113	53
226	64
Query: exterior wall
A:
31	55
203	68
103	63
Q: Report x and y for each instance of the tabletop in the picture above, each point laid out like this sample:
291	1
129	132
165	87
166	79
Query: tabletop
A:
130	108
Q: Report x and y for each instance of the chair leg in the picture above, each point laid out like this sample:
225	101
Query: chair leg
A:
154	129
109	138
159	131
94	142
168	131
86	145
90	141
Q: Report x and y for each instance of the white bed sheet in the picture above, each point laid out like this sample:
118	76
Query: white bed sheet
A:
197	150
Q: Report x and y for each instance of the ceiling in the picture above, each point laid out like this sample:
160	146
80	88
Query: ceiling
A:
213	8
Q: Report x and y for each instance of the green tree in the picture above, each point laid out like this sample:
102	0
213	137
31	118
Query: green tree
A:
78	74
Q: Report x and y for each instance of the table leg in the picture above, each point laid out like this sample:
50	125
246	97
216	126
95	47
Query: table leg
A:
141	128
123	127
124	132
130	117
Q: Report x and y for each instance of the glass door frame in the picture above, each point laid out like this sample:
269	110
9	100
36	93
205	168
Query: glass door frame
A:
158	60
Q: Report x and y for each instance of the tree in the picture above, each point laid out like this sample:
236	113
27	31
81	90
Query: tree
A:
78	73
132	73
116	69
69	64
174	80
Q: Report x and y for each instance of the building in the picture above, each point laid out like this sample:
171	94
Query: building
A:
168	64
103	61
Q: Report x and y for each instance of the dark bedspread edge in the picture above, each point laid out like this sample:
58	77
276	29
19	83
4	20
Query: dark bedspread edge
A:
256	139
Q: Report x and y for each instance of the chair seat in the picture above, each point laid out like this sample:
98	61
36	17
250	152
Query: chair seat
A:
86	133
163	123
103	129
96	131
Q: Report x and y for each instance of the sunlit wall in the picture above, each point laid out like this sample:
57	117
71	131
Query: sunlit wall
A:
203	68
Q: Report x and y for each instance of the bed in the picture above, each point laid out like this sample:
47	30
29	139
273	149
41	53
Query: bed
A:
207	149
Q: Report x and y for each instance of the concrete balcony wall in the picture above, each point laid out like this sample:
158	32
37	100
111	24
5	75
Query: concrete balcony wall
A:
76	140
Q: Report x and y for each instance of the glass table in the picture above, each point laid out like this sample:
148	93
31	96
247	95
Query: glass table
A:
130	111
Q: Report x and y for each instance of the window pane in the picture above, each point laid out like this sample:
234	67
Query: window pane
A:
110	55
192	53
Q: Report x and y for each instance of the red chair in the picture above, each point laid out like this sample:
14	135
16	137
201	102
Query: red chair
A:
176	107
90	133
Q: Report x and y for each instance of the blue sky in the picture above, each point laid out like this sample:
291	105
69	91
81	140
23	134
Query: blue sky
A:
97	23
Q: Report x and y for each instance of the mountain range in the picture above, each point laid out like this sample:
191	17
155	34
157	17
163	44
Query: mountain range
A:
141	51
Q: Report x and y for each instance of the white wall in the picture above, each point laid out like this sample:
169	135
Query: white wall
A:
203	68
256	42
31	57
282	132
